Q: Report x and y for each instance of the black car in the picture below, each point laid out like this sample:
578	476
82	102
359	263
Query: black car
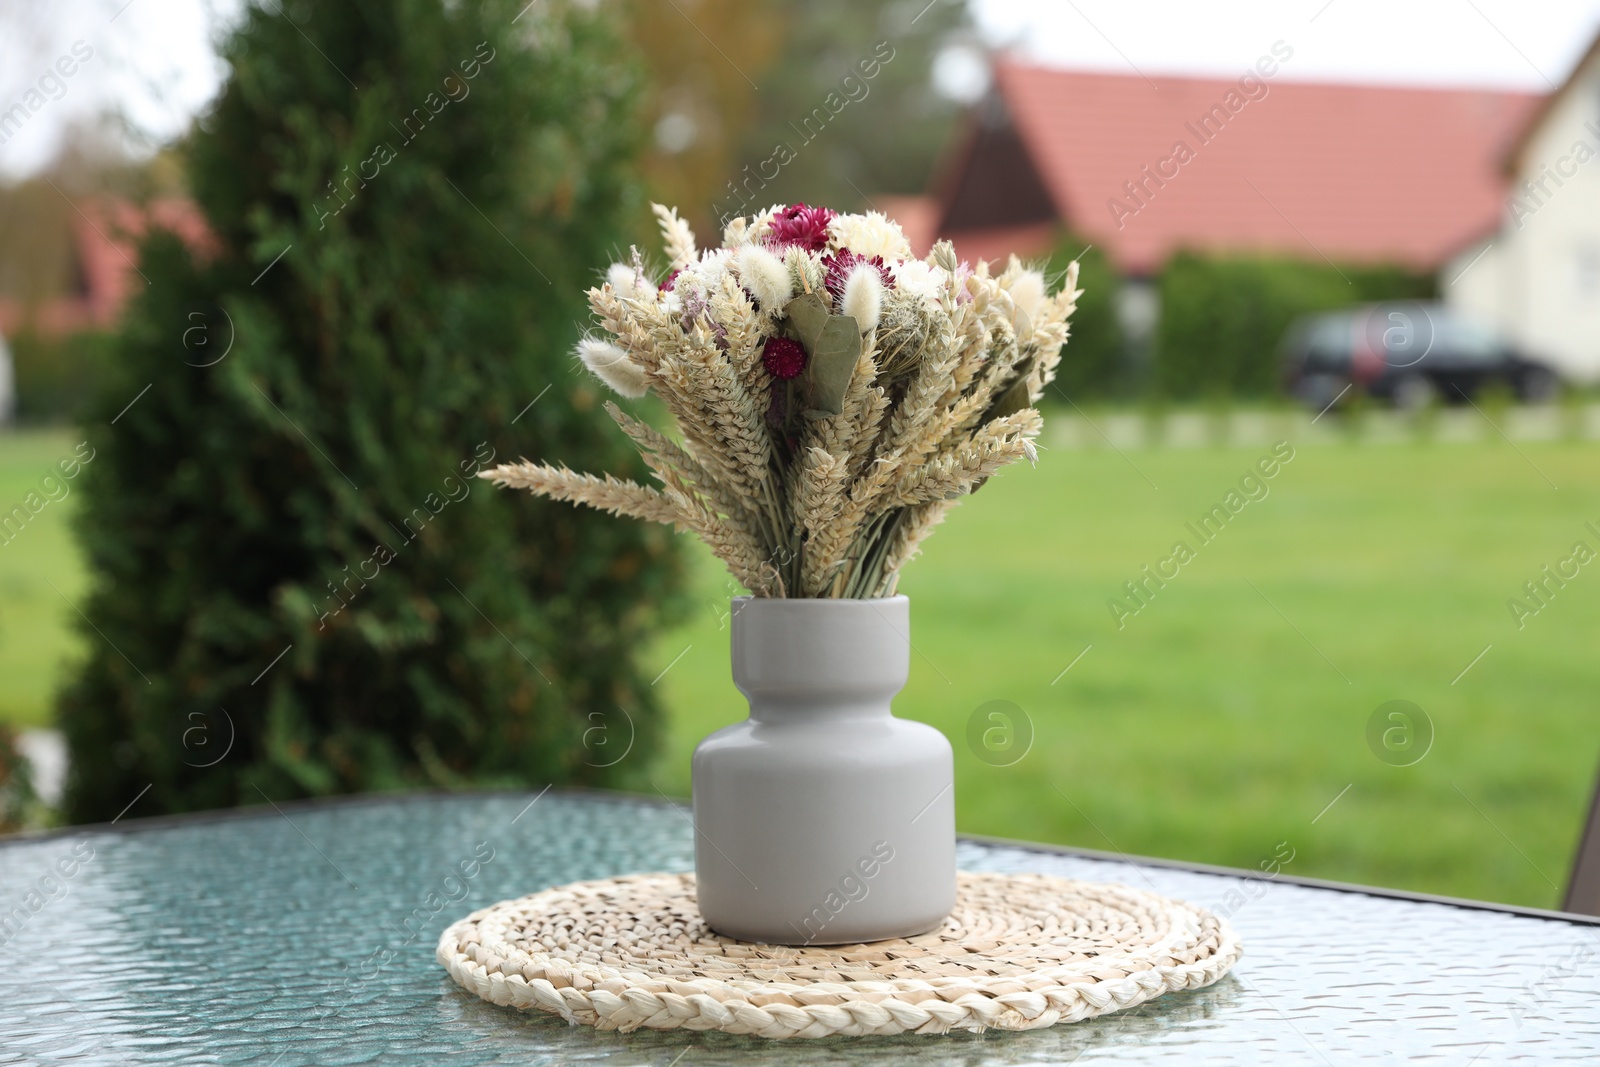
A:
1408	353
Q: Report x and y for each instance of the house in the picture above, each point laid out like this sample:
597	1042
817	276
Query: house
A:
99	238
104	233
1534	271
1144	167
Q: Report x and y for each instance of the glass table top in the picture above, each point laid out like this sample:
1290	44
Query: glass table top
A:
306	936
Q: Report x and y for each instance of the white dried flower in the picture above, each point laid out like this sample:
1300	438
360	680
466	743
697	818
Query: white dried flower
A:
916	278
863	297
765	275
761	222
872	234
710	268
614	367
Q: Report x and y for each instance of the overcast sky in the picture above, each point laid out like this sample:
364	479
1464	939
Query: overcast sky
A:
153	59
1523	44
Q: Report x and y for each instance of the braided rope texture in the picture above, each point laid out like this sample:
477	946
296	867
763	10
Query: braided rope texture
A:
1019	952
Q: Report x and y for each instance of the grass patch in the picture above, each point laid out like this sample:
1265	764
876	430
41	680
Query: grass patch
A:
36	635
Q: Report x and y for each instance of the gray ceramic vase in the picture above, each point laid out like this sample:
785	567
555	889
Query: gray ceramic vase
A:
823	819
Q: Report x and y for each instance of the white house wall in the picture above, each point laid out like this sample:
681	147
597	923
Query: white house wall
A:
1475	282
1540	281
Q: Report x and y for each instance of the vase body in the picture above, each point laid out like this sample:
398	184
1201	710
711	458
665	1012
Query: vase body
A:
823	819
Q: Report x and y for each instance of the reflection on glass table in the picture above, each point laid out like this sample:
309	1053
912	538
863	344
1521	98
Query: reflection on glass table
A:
306	936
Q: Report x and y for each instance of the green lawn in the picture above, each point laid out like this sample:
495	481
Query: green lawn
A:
35	620
1223	719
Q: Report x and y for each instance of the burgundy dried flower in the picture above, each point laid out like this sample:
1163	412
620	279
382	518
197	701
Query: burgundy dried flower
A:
802	226
784	358
841	263
666	286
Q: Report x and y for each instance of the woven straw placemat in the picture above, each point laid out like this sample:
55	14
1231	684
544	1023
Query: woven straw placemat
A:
1018	953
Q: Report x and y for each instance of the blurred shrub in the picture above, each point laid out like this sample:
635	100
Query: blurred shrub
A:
1094	363
697	104
18	802
1222	317
848	108
298	586
55	376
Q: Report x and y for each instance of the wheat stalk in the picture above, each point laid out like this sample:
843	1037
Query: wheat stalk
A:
616	495
676	236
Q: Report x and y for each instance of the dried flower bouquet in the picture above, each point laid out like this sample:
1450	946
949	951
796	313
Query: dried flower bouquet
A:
835	394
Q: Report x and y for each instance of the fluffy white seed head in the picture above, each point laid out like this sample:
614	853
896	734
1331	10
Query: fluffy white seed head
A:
613	366
765	276
1027	292
863	297
624	280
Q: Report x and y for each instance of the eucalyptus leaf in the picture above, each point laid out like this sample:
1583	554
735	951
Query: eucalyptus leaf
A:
807	315
833	361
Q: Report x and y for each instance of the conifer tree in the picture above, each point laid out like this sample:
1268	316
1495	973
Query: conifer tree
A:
298	586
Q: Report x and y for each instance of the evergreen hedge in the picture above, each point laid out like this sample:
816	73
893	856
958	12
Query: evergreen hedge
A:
1094	365
298	587
55	376
1223	317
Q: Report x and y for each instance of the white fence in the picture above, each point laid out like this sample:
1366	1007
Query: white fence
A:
1190	429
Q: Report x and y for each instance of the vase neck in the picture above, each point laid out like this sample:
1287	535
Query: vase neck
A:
816	660
822	704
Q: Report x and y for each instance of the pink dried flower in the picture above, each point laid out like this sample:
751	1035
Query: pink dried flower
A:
784	358
802	226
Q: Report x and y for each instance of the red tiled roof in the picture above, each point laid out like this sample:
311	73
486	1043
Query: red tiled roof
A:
1352	172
